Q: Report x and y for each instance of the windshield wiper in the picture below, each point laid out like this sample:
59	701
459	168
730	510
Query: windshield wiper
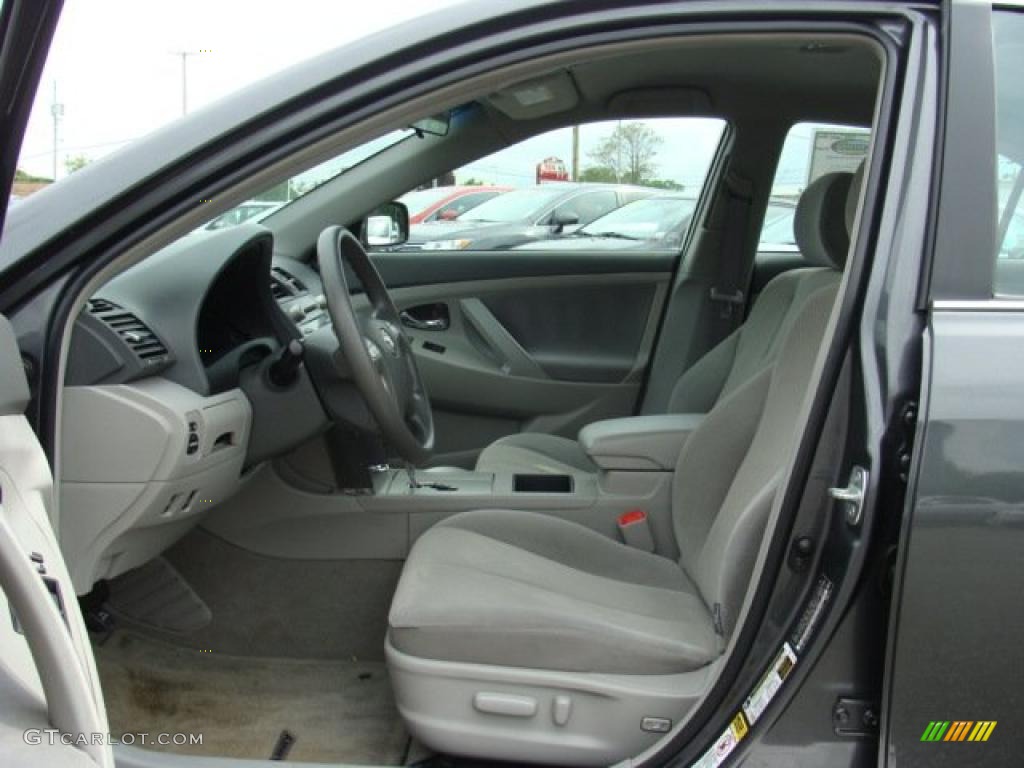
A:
615	235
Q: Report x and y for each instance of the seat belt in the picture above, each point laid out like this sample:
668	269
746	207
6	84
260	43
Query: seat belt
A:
729	292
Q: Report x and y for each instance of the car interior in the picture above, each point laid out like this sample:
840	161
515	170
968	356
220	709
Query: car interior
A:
366	506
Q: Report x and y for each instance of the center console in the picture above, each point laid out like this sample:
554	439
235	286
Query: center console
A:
635	459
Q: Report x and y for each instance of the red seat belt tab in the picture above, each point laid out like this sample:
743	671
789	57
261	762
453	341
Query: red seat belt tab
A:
636	530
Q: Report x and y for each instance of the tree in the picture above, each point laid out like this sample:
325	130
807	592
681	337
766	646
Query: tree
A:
598	174
76	163
675	186
20	175
628	152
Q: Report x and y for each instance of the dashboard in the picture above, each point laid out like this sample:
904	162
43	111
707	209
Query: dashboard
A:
168	405
198	313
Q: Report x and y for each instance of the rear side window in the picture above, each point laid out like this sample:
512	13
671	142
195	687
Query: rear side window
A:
810	151
1008	34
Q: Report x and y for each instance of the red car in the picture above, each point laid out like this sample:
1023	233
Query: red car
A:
446	203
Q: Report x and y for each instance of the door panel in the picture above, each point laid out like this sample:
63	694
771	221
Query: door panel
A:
48	677
955	648
545	352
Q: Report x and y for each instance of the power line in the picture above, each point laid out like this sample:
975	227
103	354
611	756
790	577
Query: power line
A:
79	148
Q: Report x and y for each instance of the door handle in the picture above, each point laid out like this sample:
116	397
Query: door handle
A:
434	324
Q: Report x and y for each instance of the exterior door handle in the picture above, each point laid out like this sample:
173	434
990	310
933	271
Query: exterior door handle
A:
852	496
436	324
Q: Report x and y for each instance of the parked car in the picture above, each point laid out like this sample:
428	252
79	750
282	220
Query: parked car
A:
653	223
269	497
446	203
524	215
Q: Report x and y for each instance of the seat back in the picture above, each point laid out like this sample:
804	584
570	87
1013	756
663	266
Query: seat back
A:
731	466
820	229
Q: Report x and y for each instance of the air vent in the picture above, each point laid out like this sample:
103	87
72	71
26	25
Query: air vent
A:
136	334
284	285
101	306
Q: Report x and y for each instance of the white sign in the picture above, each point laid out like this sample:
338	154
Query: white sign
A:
833	151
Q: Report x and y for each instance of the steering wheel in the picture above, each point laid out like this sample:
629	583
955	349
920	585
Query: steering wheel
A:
379	354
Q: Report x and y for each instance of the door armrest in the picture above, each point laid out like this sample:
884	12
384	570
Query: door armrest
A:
645	443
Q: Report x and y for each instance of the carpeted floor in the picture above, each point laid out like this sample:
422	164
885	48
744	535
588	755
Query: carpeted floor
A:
265	606
338	711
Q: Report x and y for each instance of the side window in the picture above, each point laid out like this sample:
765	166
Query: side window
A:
591	179
1008	34
810	151
586	207
458	206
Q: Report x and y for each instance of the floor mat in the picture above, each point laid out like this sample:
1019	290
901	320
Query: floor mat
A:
156	596
337	711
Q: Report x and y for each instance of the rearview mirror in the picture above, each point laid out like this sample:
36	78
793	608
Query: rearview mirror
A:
435	125
386	226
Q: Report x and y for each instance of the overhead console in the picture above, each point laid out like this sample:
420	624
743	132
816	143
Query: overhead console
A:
140	463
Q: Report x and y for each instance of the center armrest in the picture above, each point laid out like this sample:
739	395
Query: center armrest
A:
650	443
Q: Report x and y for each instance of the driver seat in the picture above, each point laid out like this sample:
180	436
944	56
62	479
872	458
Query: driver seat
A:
519	636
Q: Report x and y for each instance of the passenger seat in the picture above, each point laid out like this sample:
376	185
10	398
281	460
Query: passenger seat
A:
821	226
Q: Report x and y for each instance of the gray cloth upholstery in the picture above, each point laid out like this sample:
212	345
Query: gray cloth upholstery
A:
820	225
526	590
14	394
521	589
729	469
535	452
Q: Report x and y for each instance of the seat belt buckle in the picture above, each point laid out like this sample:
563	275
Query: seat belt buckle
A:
636	530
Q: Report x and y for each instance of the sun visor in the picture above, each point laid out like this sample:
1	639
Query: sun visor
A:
531	99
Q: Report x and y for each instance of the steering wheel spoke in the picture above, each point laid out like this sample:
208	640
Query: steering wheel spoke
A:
379	354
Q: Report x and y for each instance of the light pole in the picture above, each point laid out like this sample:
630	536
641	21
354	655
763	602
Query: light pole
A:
184	77
57	111
575	153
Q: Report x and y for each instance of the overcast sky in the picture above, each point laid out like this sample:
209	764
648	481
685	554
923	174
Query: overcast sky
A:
118	78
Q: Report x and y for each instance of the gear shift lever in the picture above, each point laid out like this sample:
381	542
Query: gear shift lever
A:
410	471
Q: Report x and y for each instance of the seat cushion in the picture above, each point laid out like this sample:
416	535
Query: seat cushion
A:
522	589
535	452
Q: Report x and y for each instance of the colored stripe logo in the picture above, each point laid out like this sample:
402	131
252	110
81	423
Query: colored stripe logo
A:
958	730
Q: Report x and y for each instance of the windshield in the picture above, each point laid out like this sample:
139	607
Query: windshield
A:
648	219
517	205
307	181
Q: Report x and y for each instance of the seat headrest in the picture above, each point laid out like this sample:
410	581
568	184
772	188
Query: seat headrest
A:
853	197
820	221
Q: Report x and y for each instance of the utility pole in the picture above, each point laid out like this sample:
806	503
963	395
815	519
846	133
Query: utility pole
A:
184	77
57	111
575	153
